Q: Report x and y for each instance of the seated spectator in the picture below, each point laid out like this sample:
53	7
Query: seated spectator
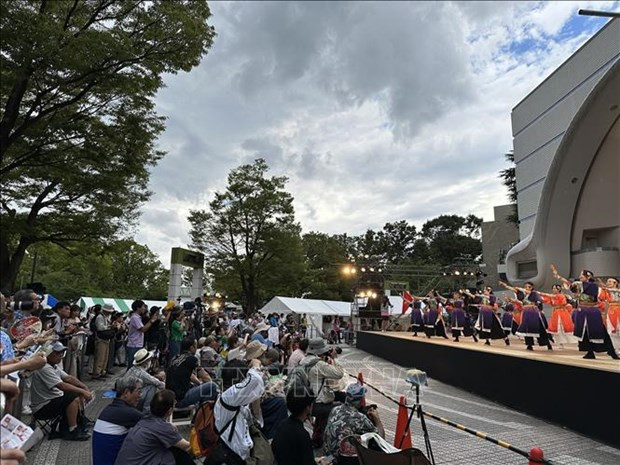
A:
10	391
150	384
182	377
154	440
116	420
55	393
236	348
298	354
322	367
347	419
209	354
272	405
292	444
233	416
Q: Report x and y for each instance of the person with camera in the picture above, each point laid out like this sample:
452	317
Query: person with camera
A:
322	369
103	335
178	331
351	419
135	338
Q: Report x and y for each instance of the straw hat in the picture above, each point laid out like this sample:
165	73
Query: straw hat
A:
254	350
142	356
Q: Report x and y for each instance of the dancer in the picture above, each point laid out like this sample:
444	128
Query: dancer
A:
561	324
433	319
610	293
459	324
417	317
509	324
589	327
533	324
488	324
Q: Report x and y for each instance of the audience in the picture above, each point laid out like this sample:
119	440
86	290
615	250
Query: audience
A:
154	440
347	420
298	354
55	393
116	420
150	384
190	384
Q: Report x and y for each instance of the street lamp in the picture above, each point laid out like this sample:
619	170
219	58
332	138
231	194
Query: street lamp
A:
606	14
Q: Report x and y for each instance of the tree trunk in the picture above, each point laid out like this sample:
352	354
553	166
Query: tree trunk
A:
9	265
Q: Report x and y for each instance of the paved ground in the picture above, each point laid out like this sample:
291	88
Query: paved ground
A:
450	445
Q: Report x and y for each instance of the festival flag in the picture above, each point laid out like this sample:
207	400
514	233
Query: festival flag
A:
407	299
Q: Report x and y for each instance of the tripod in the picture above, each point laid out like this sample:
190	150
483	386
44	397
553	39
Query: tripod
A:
418	407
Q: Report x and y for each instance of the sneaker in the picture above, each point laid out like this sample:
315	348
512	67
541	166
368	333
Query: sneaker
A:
26	410
75	435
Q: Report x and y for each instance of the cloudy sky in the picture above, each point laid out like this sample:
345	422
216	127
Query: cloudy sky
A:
376	112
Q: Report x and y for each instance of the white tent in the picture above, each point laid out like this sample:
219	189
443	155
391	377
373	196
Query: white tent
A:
288	305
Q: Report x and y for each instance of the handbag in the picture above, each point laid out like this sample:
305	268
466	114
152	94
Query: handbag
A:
261	453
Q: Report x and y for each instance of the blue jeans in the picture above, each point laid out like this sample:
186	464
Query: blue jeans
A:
174	349
199	394
129	354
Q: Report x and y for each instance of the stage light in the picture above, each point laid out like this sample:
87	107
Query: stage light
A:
372	269
457	273
366	256
346	270
363	270
353	270
445	274
379	270
374	295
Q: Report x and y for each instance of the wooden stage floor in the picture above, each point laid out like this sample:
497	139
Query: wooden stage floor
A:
567	356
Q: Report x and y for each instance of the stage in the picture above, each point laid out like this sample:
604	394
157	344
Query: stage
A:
559	385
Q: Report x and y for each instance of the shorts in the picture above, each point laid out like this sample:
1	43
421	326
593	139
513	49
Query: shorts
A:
56	406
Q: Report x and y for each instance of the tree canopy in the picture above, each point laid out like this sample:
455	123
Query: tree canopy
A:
78	123
249	235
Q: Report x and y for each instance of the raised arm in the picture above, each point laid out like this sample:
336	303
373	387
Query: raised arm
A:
557	275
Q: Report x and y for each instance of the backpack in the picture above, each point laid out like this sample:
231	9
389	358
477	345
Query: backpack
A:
204	436
298	377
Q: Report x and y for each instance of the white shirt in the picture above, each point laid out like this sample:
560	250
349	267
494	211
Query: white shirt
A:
240	394
274	335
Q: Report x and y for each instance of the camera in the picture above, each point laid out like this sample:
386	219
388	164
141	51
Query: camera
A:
23	305
366	408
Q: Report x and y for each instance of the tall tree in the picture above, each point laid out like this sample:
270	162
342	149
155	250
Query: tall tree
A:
244	230
449	236
325	256
509	179
78	121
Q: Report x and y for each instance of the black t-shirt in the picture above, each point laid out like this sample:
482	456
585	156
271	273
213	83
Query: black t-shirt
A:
292	444
178	375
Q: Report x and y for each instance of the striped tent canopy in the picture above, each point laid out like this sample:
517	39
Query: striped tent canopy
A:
120	305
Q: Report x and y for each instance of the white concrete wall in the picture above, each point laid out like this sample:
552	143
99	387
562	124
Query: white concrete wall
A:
540	120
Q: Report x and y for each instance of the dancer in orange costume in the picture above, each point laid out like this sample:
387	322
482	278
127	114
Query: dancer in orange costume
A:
561	324
610	293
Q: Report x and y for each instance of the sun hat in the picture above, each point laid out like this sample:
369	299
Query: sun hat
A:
317	346
254	349
107	308
355	392
262	327
58	347
141	357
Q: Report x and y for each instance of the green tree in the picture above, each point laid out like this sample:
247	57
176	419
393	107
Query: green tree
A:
509	179
123	269
78	122
249	232
325	255
449	236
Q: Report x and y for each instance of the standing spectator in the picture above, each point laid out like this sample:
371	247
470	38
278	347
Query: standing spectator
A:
56	393
102	341
322	368
115	421
261	334
152	335
135	340
155	441
117	324
178	328
183	372
298	354
150	384
75	343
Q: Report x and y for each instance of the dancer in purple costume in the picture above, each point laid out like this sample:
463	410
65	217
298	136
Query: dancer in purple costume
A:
589	326
489	326
417	317
458	320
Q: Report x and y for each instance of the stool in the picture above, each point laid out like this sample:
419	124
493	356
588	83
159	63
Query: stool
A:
185	415
49	426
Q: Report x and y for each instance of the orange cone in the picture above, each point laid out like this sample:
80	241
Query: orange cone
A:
360	379
402	436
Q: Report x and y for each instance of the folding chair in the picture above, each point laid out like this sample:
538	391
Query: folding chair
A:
49	426
404	457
